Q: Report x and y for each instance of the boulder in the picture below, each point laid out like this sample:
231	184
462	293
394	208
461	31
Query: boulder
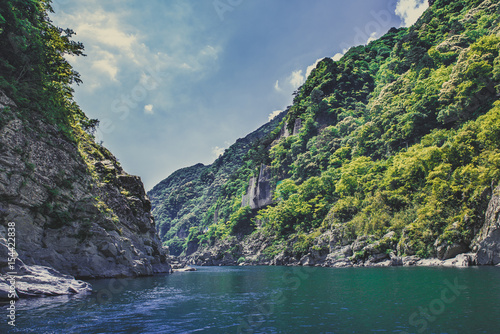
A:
360	243
5	101
347	251
39	281
337	260
454	250
281	259
410	260
307	260
34	281
378	257
461	260
185	269
447	251
396	261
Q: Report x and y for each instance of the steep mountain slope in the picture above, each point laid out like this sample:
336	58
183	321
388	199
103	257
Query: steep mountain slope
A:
189	196
393	152
73	206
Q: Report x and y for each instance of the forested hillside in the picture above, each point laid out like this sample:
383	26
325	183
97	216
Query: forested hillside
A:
398	152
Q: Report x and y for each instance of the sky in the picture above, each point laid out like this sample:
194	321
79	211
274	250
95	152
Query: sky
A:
175	82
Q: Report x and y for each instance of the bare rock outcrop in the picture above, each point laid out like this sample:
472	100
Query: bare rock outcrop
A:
259	192
487	242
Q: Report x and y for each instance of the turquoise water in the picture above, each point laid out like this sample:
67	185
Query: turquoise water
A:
278	300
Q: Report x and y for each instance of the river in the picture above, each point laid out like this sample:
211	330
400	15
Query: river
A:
277	300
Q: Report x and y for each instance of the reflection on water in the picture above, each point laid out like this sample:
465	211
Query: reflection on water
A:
277	300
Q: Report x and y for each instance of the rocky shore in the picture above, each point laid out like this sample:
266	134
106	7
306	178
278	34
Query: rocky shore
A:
341	257
461	260
334	248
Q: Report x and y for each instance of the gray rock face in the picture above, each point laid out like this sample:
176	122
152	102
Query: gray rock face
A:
445	251
462	260
73	206
284	133
297	126
5	101
220	255
259	192
488	240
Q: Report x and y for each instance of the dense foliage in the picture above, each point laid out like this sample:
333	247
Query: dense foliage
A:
33	70
400	135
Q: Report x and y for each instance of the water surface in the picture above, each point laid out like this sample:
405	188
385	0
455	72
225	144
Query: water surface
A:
278	300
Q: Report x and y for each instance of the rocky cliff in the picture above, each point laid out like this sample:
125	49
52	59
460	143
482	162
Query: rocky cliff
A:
74	208
259	193
487	243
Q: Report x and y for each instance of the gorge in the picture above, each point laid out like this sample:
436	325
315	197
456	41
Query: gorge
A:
389	156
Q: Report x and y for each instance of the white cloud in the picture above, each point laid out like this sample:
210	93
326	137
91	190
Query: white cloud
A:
218	151
149	109
106	31
312	67
106	63
277	86
117	51
110	42
210	52
291	83
338	56
296	79
205	58
274	114
373	37
410	10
